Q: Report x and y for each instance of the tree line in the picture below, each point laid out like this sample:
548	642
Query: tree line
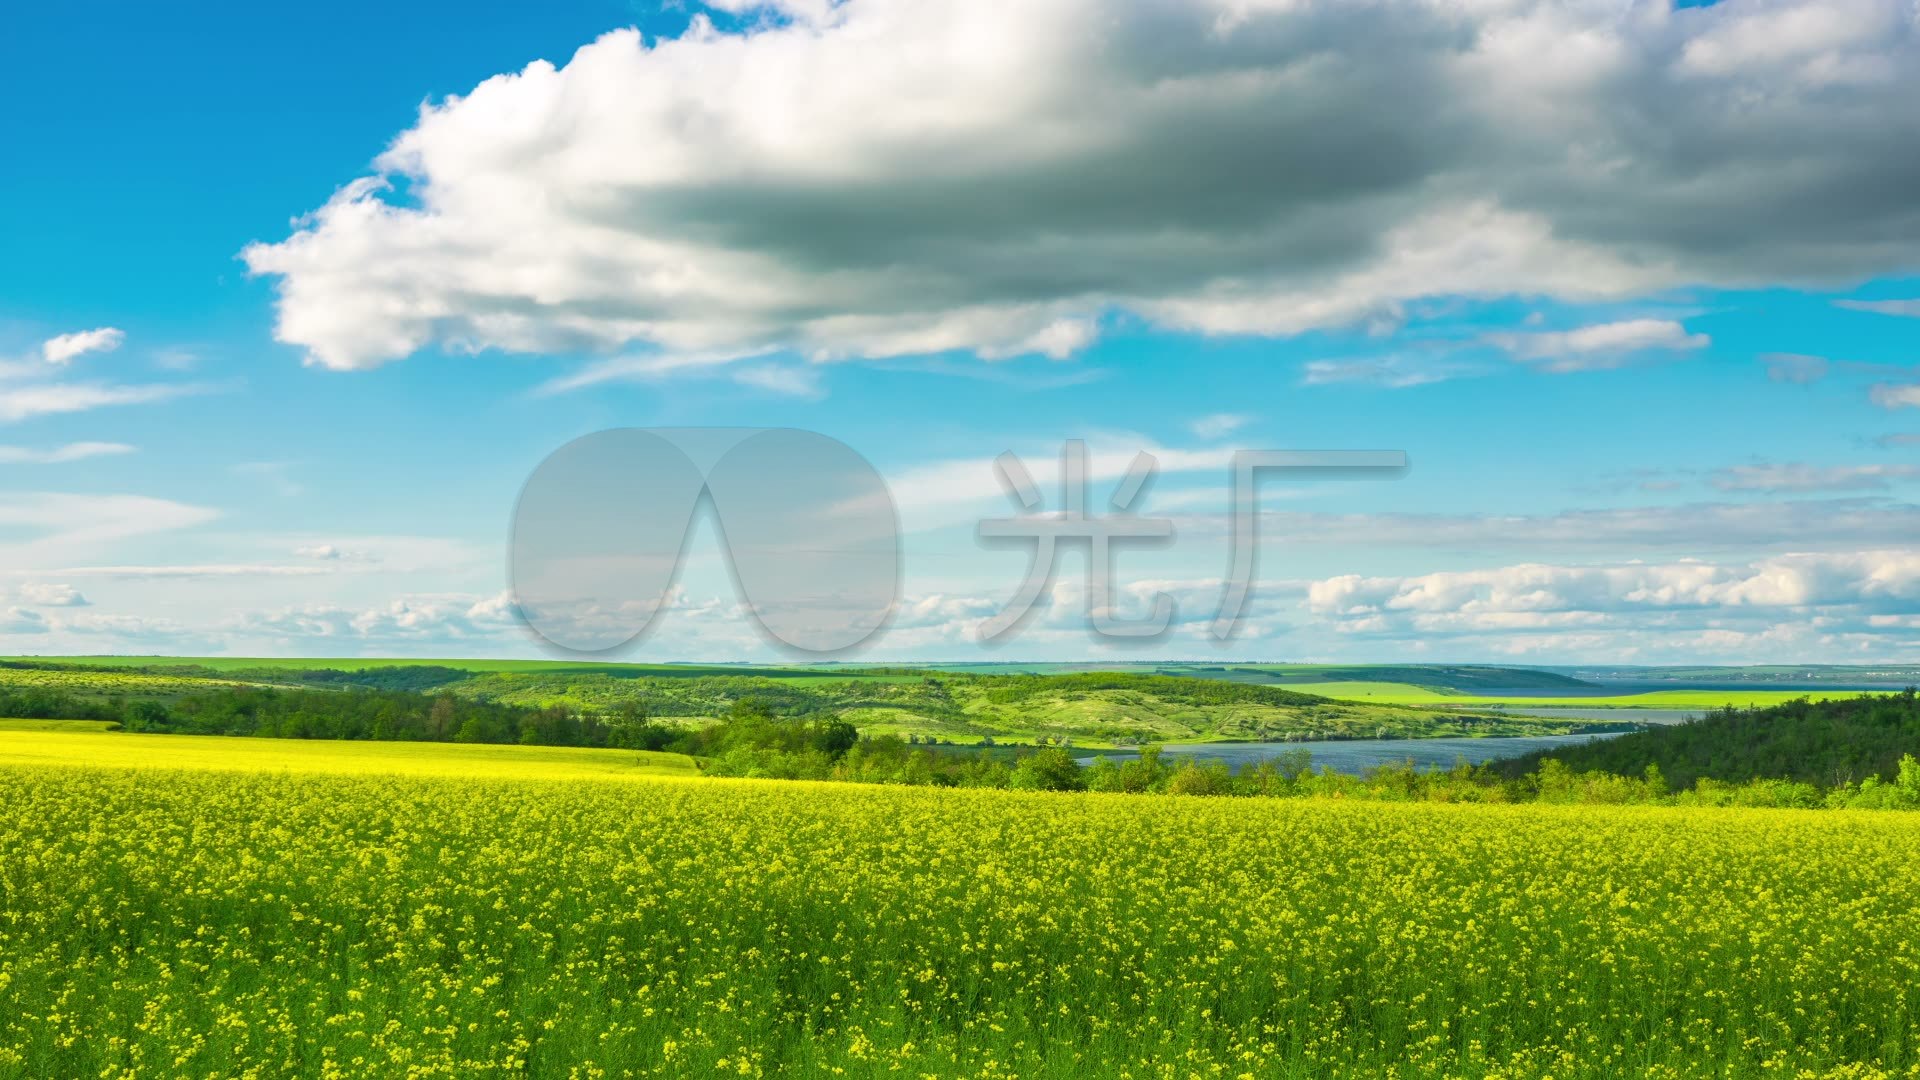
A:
1825	743
290	713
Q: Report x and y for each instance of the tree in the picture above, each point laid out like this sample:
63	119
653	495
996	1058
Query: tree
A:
1048	770
833	738
147	716
440	717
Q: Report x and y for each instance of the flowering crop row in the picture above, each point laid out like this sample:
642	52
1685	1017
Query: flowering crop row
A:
208	924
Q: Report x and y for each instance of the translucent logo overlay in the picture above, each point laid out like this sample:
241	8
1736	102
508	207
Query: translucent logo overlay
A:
807	525
812	537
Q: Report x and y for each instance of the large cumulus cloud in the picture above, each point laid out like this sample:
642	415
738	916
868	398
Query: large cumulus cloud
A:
881	177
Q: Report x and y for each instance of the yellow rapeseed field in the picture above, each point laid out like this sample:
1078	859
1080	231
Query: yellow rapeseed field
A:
347	922
83	742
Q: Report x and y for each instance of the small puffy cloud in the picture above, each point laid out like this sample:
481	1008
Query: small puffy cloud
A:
57	455
1908	308
498	609
1219	425
46	594
334	553
1895	395
1795	367
420	618
62	349
1604	345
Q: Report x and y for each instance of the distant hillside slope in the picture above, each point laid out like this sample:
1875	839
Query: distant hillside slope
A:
1090	707
1444	676
1825	742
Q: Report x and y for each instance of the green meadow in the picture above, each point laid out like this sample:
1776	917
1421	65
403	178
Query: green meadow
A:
1393	693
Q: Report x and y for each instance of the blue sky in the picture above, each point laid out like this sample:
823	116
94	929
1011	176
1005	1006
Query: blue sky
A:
1634	290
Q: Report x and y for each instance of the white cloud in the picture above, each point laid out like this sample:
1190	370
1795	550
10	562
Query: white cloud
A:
1909	308
46	594
1790	608
1219	425
128	628
1895	395
937	493
889	177
1604	345
18	620
645	368
62	349
1394	372
790	380
1804	478
1058	339
176	358
1785	581
79	451
318	551
60	523
787	381
23	402
407	618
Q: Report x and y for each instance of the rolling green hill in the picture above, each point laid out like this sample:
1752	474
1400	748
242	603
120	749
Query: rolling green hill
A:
1108	707
1089	708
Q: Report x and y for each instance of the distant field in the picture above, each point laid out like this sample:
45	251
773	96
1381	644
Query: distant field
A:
92	683
69	742
1388	693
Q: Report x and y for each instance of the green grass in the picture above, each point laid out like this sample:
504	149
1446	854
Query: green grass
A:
70	726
